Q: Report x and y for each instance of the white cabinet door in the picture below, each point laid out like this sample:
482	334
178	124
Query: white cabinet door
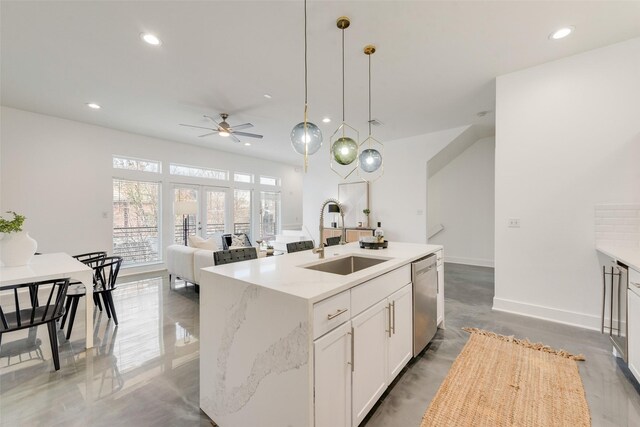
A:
633	333
440	309
401	339
370	356
332	371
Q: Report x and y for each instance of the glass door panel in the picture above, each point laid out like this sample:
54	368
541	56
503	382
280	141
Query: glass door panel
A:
269	214
185	207
242	212
215	211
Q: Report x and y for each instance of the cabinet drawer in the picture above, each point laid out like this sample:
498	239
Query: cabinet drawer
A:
365	295
634	277
331	312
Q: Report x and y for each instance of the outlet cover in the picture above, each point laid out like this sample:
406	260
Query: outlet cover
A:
513	223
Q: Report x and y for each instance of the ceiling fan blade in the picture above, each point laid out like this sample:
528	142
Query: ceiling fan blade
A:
250	135
235	139
242	126
207	134
199	127
212	119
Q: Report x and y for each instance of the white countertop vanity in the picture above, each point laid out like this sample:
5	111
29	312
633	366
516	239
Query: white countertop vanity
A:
283	343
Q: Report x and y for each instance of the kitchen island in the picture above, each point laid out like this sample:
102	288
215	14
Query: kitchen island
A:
283	343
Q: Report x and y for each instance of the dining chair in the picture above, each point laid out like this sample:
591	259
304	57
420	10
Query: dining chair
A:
77	288
234	255
304	245
105	274
33	314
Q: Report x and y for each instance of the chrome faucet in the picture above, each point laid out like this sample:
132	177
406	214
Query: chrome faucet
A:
320	249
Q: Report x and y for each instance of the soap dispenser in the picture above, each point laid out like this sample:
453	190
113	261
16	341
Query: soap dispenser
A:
379	233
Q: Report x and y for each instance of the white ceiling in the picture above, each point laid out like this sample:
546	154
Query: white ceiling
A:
435	67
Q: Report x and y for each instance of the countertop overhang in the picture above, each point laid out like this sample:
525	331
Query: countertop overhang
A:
286	273
627	255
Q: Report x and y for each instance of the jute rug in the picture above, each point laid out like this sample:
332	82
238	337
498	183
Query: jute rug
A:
504	381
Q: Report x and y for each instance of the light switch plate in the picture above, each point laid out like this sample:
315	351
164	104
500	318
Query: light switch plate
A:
513	223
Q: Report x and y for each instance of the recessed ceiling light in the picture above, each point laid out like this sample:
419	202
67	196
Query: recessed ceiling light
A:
266	95
247	144
151	39
326	120
561	33
93	105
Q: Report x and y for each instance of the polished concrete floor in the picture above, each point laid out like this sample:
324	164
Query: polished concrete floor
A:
145	370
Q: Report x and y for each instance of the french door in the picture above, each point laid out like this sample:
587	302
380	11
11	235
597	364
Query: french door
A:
200	210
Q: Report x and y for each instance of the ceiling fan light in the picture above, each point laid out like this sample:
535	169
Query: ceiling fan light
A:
309	140
223	133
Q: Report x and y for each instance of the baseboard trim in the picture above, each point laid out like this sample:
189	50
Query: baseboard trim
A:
565	317
469	261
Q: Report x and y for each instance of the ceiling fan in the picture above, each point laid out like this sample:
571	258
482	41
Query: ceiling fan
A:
225	129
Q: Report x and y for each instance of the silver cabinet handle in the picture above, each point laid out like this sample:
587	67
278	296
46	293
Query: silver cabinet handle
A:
604	296
389	319
337	313
352	349
393	307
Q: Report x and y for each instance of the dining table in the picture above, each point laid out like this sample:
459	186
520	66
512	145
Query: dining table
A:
55	266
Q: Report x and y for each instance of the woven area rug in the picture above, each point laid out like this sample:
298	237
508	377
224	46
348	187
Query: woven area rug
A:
504	381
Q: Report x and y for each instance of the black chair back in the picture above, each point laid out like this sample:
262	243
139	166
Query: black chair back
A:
106	273
333	241
305	245
90	256
234	255
34	314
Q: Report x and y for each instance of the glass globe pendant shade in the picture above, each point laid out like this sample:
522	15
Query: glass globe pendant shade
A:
370	160
312	138
345	150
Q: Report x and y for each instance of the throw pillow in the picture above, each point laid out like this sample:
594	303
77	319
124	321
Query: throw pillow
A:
200	243
238	240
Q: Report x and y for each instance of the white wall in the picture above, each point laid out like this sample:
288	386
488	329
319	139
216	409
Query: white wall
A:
59	174
567	138
461	198
398	199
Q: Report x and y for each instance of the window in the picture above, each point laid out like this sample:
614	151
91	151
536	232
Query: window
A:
198	172
268	180
216	208
136	164
136	221
243	177
269	214
242	212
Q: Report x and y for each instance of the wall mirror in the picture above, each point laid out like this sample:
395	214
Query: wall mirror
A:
354	197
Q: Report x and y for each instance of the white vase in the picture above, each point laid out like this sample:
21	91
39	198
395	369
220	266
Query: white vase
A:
17	249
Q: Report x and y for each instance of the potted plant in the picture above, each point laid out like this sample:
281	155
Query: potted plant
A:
16	246
269	249
366	213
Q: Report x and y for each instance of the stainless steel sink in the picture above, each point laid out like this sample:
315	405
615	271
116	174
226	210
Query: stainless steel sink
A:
346	265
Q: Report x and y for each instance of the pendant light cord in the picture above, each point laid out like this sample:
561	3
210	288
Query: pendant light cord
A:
369	94
343	75
305	57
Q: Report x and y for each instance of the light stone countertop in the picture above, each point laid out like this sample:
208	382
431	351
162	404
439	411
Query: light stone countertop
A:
629	255
285	273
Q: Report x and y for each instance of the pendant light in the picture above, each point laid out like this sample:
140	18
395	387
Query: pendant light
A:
370	159
306	137
344	148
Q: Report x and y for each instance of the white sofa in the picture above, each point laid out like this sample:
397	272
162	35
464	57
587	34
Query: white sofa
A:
185	263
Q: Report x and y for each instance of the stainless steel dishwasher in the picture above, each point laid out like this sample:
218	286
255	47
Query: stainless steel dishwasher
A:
424	276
